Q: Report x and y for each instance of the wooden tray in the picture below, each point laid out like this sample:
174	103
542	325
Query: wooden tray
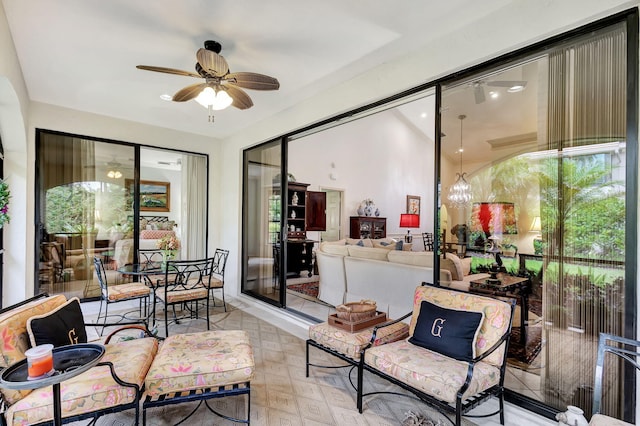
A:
353	326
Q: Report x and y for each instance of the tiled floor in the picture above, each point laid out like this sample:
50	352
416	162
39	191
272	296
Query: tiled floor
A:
282	395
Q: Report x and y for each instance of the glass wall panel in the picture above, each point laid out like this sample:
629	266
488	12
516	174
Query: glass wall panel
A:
542	145
87	209
262	222
84	210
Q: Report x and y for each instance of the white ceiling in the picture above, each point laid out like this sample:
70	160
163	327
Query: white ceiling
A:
81	54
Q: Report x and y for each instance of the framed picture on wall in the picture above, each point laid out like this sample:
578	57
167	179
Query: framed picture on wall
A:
155	196
413	204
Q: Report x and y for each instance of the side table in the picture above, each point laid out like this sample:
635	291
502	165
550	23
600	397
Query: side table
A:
509	286
68	361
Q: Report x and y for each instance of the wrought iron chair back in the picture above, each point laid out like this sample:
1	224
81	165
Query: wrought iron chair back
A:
427	240
217	280
120	293
146	256
625	350
186	283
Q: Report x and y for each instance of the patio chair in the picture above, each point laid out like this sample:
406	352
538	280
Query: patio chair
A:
217	274
623	349
427	240
120	293
187	283
456	354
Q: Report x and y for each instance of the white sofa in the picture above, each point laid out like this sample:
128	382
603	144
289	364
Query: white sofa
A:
351	272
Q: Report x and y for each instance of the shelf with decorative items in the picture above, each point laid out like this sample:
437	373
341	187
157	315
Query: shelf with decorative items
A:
297	210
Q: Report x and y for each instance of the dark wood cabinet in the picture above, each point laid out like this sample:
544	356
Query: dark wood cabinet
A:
306	210
299	257
368	227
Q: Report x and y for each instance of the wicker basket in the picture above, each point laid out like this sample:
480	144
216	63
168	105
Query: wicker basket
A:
357	311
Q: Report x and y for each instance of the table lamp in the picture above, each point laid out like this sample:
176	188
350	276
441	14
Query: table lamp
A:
409	220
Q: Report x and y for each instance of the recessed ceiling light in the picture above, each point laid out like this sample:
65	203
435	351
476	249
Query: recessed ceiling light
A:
494	95
516	88
166	97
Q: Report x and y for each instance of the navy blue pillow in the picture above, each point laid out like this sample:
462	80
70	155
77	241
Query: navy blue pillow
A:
399	245
447	331
62	326
360	243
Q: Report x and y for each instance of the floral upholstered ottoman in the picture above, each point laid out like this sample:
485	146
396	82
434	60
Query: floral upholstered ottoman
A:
200	366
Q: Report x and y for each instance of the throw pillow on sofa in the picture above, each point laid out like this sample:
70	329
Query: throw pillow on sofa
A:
364	242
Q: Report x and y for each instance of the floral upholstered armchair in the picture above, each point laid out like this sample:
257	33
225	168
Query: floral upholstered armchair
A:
115	384
456	353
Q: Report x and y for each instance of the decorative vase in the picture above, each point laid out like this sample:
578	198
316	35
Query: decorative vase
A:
360	210
293	214
574	416
166	256
369	209
294	199
377	212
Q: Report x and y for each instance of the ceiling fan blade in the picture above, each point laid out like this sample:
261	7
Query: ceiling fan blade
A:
241	99
212	63
189	92
252	80
506	83
478	93
167	70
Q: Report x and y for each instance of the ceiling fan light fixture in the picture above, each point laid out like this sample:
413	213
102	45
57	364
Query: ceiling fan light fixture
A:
217	100
166	97
114	174
516	88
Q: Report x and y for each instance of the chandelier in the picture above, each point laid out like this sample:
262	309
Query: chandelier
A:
460	191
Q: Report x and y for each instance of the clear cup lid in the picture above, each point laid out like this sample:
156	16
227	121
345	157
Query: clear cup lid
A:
38	351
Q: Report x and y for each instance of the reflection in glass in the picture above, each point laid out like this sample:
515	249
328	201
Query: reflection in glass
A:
549	151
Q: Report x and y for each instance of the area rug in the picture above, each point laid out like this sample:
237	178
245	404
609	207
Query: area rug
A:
307	289
525	354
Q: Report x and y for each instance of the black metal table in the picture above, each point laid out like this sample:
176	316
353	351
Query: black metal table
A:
68	361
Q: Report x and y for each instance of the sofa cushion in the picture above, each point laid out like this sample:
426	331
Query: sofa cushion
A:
447	264
206	359
457	263
364	242
430	372
61	326
350	344
341	242
341	250
418	258
466	265
368	252
451	332
94	389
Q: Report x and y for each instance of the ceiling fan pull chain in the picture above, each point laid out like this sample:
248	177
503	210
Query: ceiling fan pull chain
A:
211	118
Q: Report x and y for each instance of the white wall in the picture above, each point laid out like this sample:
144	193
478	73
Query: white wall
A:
377	157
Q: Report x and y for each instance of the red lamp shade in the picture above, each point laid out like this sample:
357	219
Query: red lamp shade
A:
409	220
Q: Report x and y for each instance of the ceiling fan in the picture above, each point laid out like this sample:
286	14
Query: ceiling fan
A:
478	87
219	81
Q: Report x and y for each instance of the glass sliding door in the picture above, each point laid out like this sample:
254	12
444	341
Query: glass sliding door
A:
542	143
86	208
83	211
262	223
